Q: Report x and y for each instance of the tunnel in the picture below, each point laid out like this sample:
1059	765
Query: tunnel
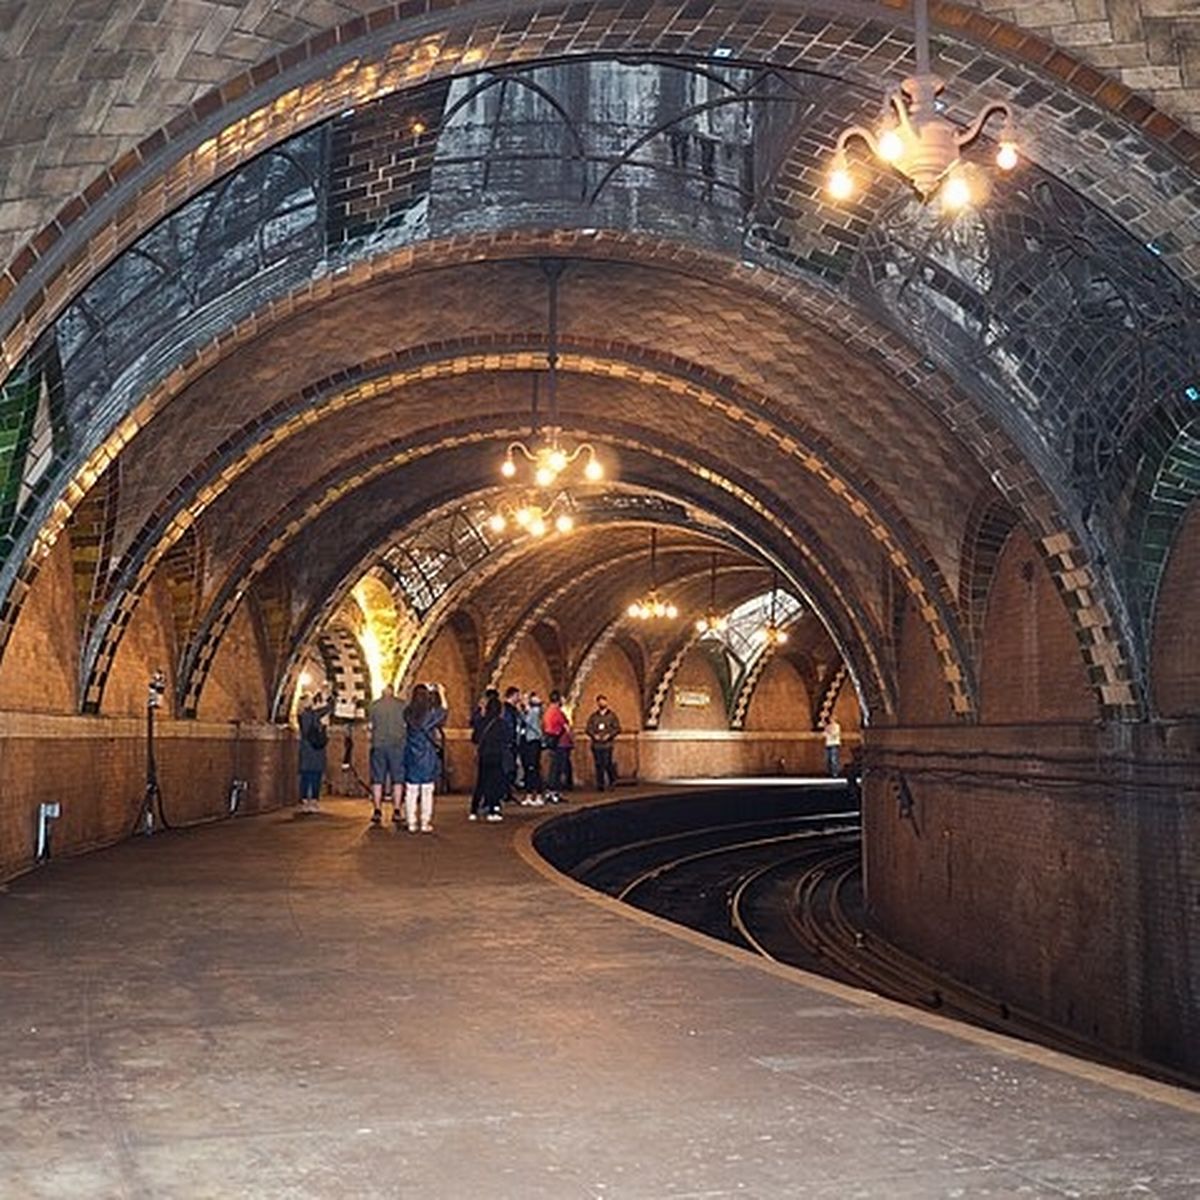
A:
297	300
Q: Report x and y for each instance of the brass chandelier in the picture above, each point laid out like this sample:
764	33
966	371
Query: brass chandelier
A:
771	634
917	141
550	456
713	622
652	606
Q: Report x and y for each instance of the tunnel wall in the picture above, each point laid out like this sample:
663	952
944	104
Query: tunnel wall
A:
95	767
1053	867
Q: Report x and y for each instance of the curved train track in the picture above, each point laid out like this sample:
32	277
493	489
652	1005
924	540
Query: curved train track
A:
790	889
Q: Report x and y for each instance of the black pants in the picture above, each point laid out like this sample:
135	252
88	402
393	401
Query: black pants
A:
531	759
606	770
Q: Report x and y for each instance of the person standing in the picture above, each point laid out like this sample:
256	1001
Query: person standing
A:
511	715
477	719
423	720
314	737
556	736
387	753
603	727
833	747
491	740
531	748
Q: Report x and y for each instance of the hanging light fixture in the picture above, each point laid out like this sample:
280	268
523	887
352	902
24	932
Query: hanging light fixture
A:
652	606
536	515
917	141
771	634
713	622
550	456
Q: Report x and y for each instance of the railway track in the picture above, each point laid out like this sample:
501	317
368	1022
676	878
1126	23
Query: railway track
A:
789	889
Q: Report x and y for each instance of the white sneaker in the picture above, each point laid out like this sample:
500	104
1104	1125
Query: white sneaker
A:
472	816
495	817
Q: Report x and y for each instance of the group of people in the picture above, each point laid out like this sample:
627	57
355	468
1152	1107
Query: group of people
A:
512	735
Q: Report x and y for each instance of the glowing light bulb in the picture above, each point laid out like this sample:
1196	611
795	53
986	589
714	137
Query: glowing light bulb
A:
497	523
543	477
889	145
593	470
305	679
760	635
841	183
537	527
1007	156
722	625
632	610
702	625
671	612
564	523
508	468
780	637
956	193
523	517
557	460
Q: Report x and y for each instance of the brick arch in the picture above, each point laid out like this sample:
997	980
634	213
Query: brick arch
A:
845	483
346	670
1037	508
990	522
366	57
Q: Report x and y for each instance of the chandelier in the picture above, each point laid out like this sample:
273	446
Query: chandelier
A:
535	515
713	621
771	634
652	606
918	142
550	456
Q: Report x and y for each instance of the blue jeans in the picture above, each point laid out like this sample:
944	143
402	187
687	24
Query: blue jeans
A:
833	760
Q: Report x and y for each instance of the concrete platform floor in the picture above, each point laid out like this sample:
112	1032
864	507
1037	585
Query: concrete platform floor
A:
284	1007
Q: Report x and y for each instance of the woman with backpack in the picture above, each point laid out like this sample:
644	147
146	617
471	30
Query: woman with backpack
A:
494	747
423	721
314	737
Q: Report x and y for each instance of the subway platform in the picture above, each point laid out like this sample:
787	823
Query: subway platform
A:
300	1007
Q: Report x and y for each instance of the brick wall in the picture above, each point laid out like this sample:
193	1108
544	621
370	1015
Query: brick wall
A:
924	699
1175	663
780	699
95	767
695	675
1073	847
1031	668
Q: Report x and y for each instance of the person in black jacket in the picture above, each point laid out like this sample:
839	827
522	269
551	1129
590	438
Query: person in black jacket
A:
491	739
314	737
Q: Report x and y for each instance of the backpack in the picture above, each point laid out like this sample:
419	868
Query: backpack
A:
317	735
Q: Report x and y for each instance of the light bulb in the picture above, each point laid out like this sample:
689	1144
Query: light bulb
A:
702	625
841	183
780	637
496	522
722	625
508	468
564	523
1007	156
593	470
956	193
557	460
889	145
537	527
524	516
632	610
671	612
543	477
305	679
760	635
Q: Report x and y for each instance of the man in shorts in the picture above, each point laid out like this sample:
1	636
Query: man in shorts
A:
387	754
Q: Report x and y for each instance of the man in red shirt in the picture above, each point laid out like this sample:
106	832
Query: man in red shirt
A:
556	734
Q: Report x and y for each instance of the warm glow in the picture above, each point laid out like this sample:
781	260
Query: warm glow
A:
593	471
543	477
780	637
841	183
497	523
418	128
1007	156
634	610
523	517
305	679
564	523
508	468
890	145
956	193
537	527
557	461
672	612
702	625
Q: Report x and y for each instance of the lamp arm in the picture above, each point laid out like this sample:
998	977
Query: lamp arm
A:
857	131
519	448
895	98
964	137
